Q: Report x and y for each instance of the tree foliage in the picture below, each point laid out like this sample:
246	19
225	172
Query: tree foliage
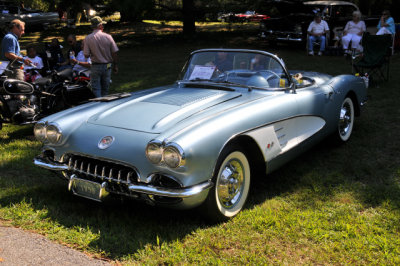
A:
45	5
190	11
132	10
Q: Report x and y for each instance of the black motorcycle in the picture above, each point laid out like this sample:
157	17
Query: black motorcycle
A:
24	103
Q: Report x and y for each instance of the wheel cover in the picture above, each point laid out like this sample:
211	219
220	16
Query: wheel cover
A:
346	120
231	183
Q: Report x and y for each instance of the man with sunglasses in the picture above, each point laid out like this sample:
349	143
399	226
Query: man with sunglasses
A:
386	24
10	49
73	51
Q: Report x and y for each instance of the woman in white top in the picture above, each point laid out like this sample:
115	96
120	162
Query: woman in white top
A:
353	32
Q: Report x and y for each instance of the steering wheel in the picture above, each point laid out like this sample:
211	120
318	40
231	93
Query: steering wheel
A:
224	76
273	74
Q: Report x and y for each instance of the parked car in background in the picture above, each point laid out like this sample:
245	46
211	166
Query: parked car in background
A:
34	19
227	17
250	16
241	17
296	16
234	115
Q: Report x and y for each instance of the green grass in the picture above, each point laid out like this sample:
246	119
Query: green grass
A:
332	205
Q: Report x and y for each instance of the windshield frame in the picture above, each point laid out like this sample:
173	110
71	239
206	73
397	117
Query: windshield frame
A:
278	59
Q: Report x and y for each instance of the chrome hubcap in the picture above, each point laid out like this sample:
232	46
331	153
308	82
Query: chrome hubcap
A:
230	183
345	119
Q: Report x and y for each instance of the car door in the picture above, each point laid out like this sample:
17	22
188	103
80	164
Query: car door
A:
316	103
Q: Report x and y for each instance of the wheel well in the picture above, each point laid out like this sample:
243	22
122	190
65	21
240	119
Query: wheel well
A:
353	97
253	152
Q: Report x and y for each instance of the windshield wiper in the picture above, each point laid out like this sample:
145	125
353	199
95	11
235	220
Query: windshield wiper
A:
198	79
218	83
209	83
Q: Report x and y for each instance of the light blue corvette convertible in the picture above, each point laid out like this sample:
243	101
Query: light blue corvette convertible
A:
199	141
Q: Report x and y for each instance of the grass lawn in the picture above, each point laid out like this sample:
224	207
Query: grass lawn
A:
332	205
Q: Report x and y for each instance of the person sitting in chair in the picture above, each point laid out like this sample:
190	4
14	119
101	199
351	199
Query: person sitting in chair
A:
353	33
386	24
317	31
81	63
37	63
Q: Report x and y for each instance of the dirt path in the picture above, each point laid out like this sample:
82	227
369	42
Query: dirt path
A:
18	247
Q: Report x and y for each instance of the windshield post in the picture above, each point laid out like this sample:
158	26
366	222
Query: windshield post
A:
292	87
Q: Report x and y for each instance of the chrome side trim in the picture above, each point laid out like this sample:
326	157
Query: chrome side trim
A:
45	163
289	39
172	192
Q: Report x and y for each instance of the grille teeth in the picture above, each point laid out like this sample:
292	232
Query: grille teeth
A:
103	172
89	168
128	179
111	174
119	176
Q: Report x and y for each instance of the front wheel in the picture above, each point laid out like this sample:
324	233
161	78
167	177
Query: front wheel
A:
232	182
346	120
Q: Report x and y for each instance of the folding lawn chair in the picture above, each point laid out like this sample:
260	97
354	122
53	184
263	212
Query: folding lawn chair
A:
375	57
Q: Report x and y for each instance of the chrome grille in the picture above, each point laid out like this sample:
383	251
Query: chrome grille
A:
100	170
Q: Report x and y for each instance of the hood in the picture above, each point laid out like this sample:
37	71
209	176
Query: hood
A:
157	111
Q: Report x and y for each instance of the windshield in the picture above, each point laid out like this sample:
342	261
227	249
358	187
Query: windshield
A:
250	69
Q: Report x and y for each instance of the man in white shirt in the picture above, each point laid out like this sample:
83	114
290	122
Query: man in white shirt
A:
317	31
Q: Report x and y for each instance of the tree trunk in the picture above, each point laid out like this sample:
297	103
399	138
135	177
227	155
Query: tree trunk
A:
189	27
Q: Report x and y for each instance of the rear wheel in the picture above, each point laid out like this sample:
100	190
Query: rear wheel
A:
232	182
346	120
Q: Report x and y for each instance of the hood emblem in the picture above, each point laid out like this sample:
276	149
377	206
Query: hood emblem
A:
105	142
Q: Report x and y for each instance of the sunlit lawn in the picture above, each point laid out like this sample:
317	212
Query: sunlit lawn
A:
333	205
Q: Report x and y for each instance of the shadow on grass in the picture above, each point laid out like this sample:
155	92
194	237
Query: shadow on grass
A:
123	227
367	170
14	133
126	227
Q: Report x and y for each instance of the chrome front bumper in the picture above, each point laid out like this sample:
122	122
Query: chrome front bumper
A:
148	189
280	36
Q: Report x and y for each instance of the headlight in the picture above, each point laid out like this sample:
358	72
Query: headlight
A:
173	156
53	134
154	152
297	28
40	132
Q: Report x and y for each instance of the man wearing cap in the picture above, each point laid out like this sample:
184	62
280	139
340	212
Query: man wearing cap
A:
317	31
102	50
10	49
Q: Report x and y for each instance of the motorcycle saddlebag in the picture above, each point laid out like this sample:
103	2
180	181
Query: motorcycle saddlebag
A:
14	86
78	93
